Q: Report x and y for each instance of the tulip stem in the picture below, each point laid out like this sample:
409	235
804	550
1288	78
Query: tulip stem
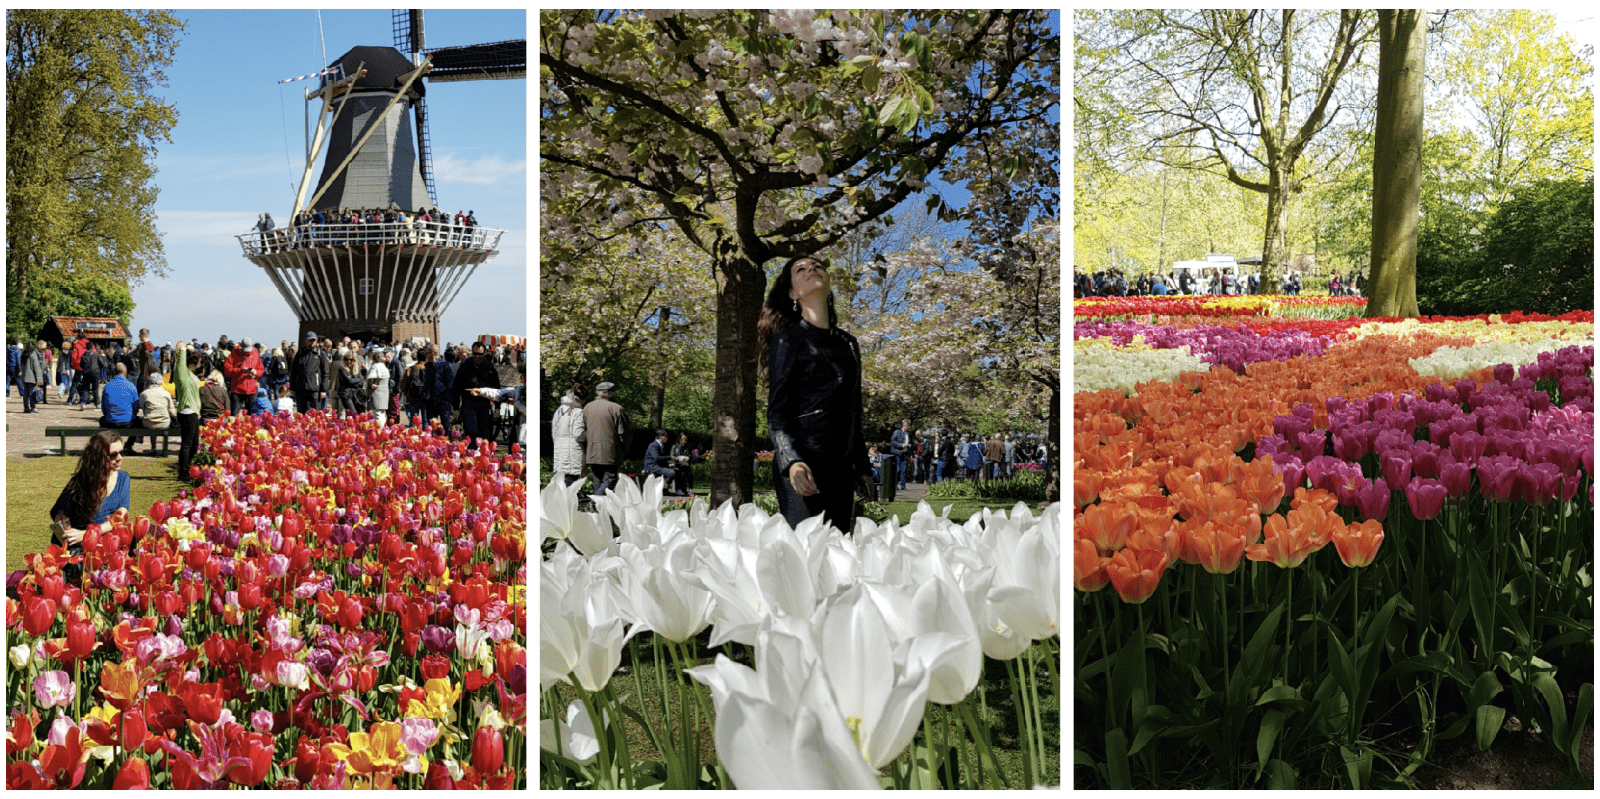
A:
980	741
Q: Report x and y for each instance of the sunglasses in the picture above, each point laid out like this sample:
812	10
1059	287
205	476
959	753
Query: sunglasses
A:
116	454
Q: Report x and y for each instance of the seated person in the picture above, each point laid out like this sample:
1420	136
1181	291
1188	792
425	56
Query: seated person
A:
120	401
877	463
658	462
97	490
261	403
156	406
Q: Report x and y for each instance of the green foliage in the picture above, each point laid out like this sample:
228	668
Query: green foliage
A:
65	294
82	122
1025	485
1534	254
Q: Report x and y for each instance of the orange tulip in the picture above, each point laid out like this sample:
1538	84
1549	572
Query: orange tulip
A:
1135	573
1358	543
1085	487
1108	524
1261	485
1088	567
1288	542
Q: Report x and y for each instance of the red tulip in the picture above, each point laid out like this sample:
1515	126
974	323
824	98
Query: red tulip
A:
488	750
438	778
202	702
38	614
134	776
80	640
350	613
306	758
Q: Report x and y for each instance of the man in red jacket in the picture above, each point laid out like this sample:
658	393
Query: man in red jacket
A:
241	368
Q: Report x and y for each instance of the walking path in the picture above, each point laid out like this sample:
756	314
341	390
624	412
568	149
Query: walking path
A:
25	431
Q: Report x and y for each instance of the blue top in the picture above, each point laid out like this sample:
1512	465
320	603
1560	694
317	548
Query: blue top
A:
656	456
119	497
898	440
121	398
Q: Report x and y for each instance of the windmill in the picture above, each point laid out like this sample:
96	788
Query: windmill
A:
384	281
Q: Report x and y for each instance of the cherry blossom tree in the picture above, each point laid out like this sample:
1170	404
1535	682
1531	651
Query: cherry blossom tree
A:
981	342
762	135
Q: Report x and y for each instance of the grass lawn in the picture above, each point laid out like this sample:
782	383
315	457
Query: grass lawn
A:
997	712
32	485
960	510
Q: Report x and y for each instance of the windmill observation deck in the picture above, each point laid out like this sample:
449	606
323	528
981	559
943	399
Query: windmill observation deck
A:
377	281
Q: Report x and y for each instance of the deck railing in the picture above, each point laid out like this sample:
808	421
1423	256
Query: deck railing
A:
371	234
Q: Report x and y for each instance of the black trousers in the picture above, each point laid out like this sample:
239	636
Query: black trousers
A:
835	498
189	426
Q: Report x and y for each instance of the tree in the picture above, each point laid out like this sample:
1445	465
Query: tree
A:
1523	92
763	135
985	347
62	293
82	124
1249	88
1397	163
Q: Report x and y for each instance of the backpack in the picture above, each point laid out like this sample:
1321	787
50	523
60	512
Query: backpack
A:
417	384
279	370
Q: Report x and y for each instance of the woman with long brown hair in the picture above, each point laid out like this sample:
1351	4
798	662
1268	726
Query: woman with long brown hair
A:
96	491
813	398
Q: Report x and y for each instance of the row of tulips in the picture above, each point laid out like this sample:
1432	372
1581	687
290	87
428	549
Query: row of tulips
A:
1467	501
336	605
1256	305
834	650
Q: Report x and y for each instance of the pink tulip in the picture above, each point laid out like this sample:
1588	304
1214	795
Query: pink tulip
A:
54	689
1426	497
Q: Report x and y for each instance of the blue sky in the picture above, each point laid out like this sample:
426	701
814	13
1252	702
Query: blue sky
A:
238	150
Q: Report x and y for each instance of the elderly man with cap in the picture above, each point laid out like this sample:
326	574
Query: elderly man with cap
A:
242	368
605	427
305	376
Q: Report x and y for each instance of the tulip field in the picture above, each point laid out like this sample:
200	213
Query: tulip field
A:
1221	643
335	606
859	661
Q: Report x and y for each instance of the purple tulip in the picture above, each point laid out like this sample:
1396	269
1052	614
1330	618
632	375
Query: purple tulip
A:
1372	499
1467	447
1426	497
1497	476
1456	478
438	639
1396	467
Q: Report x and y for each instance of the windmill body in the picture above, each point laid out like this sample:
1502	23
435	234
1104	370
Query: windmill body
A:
391	280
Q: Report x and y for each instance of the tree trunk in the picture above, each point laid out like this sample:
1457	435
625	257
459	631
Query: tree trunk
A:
1052	469
741	284
658	396
1397	164
1273	246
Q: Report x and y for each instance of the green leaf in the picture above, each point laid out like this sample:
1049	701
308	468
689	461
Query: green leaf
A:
924	100
1489	720
1117	761
1546	686
1269	733
890	112
869	78
1343	671
1357	767
1278	692
1281	776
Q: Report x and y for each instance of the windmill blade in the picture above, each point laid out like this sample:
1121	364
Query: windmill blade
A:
493	61
424	147
408	36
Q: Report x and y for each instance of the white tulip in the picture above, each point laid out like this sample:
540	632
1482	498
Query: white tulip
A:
575	737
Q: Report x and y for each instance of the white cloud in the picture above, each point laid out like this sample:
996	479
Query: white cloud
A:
485	169
203	227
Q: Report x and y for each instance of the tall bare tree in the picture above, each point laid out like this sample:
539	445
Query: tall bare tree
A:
1251	89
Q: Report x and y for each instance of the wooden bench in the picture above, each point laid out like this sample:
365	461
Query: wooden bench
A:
64	433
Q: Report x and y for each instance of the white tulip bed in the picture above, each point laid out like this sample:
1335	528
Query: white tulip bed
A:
853	639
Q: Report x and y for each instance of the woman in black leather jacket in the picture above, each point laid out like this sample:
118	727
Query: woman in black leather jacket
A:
813	399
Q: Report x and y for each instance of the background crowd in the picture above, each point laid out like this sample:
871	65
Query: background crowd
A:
473	388
1211	281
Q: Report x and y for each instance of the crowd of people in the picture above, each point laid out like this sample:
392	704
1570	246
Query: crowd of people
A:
187	384
362	226
934	455
1213	281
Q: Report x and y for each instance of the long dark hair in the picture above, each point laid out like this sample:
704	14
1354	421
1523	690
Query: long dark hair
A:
87	488
779	311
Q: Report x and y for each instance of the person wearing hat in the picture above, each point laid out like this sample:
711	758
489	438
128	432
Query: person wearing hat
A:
605	424
305	376
243	368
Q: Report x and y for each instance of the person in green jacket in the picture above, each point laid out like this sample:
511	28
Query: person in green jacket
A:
187	390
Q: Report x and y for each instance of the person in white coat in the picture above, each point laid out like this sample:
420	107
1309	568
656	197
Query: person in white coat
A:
566	427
